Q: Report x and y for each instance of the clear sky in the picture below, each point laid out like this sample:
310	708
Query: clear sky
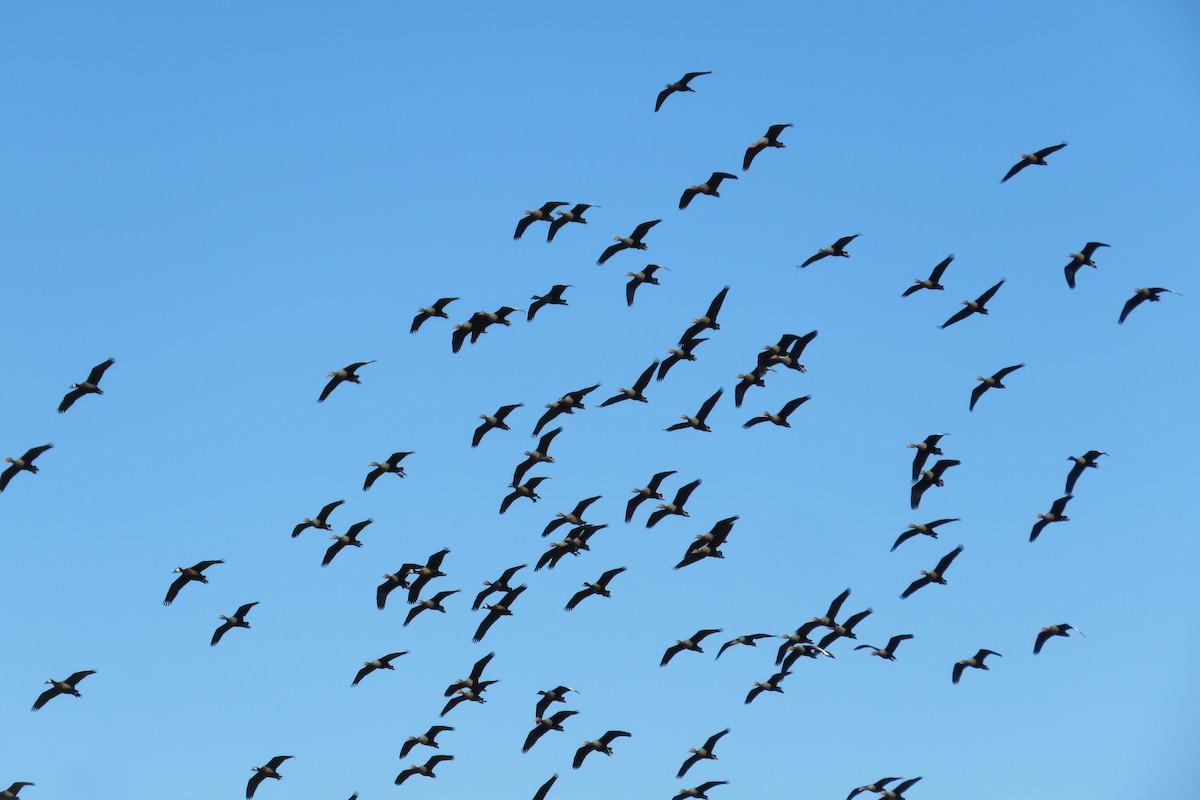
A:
233	199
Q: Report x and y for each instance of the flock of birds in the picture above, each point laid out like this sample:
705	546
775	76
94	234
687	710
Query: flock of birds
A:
505	591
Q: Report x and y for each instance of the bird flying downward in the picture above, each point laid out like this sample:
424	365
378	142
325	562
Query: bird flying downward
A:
632	241
994	382
680	85
346	374
1038	158
90	385
838	248
771	139
976	306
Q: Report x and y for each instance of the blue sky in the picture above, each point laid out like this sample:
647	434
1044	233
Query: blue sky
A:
234	199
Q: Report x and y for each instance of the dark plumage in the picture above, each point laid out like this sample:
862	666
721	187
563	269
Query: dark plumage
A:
61	687
699	422
601	745
552	298
924	528
993	382
347	539
268	770
556	695
501	584
544	789
887	652
572	517
772	684
925	448
238	620
1081	259
634	392
632	241
708	321
929	478
680	85
709	187
527	489
781	418
474	679
542	725
1038	158
574	215
1082	462
186	575
438	310
433	604
529	217
771	139
425	769
644	275
392	465
675	506
647	492
321	521
1140	296
1055	514
976	662
496	611
428	739
24	463
600	587
749	640
935	575
701	753
564	405
346	374
691	643
838	248
384	662
491	421
934	279
976	306
681	353
1045	634
431	569
90	385
539	455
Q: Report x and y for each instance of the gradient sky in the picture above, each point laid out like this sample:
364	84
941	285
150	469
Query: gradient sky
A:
233	199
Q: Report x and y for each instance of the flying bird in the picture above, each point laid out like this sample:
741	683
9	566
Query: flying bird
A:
384	662
24	463
770	140
601	745
1045	634
675	506
238	620
600	587
542	725
493	421
433	604
11	792
924	528
707	545
780	419
681	353
564	405
838	248
478	324
530	217
935	575
975	661
1038	158
1055	514
347	539
572	517
755	377
876	787
647	492
929	478
1082	462
527	489
186	575
61	687
701	753
708	321
90	385
425	769
438	310
887	652
976	306
428	738
496	611
680	85
994	382
632	241
709	187
574	215
1081	259
691	643
392	465
347	374
644	275
843	629
699	422
474	695
552	298
501	584
789	349
321	521
539	455
772	684
634	392
544	789
426	572
268	770
925	448
390	582
934	279
475	679
556	695
1140	296
749	640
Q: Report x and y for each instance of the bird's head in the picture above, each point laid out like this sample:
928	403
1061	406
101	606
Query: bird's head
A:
222	616
75	385
327	375
177	569
616	238
9	461
374	464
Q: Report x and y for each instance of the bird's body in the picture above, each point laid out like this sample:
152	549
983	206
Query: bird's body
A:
22	464
925	448
888	652
708	320
539	455
929	478
347	374
749	640
61	687
994	381
431	604
90	385
556	695
680	85
428	739
573	517
527	489
186	575
935	575
838	248
425	770
432	568
770	139
543	214
876	787
634	392
772	684
1036	158
781	418
567	404
647	492
541	725
491	421
501	584
1081	259
1081	463
600	587
976	306
924	529
552	298
320	522
496	611
1045	634
681	353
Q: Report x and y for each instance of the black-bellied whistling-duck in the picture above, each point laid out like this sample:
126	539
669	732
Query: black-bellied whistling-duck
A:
574	215
538	455
1038	158
572	517
24	463
929	478
749	640
237	620
491	421
601	745
526	489
391	465
635	391
680	85
771	684
925	448
564	405
552	298
497	610
887	652
681	353
643	275
923	528
186	575
876	787
676	506
699	422
647	492
347	539
703	752
428	738
691	643
268	770
1045	634
709	320
425	769
781	418
543	724
432	603
320	522
600	587
501	584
